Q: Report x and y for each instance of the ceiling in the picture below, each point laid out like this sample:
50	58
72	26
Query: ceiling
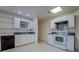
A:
40	11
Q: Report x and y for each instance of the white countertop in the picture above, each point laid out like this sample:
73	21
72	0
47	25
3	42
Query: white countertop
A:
6	33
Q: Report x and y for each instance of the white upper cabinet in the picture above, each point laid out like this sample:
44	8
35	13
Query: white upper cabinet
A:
60	19
31	25
64	18
23	23
52	23
69	18
71	21
16	23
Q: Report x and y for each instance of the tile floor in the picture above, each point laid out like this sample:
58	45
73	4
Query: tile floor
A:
41	47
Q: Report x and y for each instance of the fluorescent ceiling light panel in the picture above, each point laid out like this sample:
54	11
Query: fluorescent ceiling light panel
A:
56	10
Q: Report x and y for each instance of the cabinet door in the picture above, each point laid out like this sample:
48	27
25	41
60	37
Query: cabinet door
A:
28	39
51	38
71	21
32	38
64	18
16	22
18	39
52	24
70	43
25	39
31	24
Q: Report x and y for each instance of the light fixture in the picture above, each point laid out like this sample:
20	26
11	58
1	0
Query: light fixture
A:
28	15
56	10
19	12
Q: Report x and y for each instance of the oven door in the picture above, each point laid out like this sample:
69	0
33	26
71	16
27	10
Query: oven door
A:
60	39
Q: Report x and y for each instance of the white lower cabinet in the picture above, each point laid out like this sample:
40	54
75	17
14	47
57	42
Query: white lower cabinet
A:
70	43
50	39
29	39
24	39
18	39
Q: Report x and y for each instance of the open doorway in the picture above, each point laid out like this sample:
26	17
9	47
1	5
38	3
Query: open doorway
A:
43	30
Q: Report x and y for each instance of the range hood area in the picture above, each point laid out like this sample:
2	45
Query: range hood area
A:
62	25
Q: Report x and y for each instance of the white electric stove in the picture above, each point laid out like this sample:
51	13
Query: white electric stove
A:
60	40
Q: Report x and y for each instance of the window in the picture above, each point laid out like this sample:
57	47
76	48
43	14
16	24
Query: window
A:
24	24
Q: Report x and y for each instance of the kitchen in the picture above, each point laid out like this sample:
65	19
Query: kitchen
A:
58	30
